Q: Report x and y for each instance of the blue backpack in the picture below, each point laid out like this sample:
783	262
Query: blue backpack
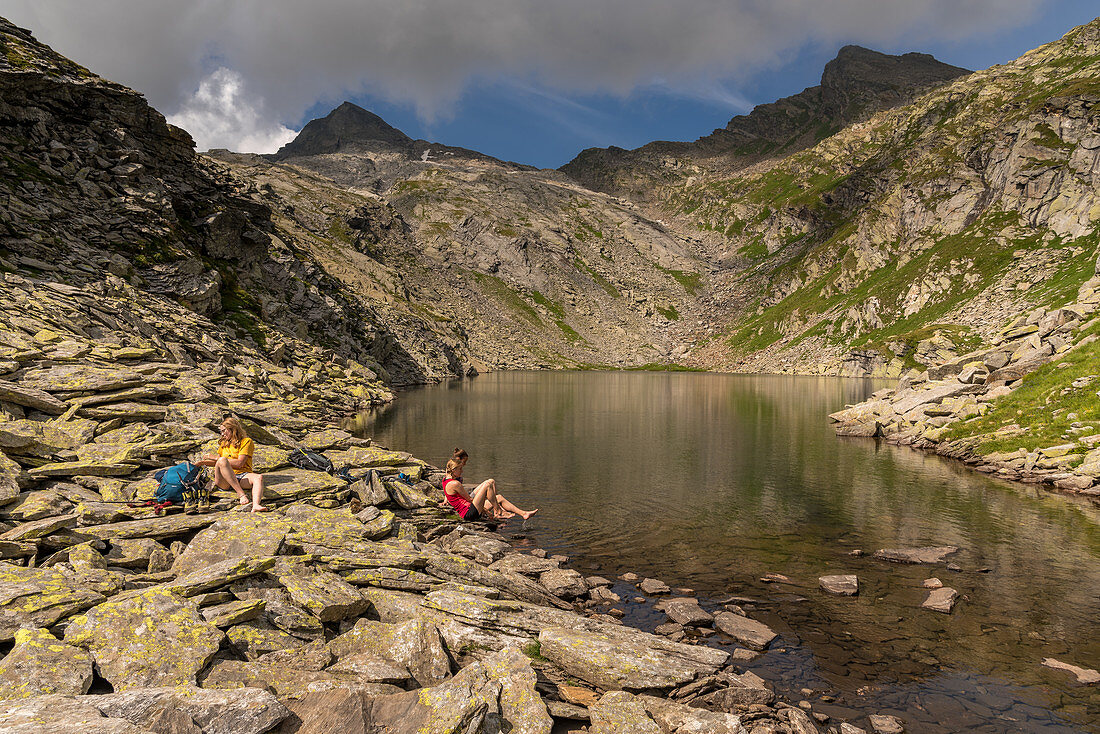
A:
175	480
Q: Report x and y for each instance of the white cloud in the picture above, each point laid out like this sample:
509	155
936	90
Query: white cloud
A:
295	54
220	115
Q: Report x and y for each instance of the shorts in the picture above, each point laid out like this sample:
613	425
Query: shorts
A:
242	474
472	515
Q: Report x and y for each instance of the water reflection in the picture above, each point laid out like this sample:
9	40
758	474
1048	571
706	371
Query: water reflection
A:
709	481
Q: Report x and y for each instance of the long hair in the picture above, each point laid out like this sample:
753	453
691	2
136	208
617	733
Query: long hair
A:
235	428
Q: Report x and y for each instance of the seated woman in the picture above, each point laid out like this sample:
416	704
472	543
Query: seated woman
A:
485	500
233	464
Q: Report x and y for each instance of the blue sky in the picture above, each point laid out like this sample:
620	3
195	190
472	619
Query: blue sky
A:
534	81
547	130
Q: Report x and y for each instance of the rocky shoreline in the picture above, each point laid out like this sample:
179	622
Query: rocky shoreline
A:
361	606
924	408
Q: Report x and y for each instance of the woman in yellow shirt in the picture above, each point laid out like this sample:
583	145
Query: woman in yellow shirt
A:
233	464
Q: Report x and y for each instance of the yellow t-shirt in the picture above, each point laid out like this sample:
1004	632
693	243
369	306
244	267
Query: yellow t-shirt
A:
235	452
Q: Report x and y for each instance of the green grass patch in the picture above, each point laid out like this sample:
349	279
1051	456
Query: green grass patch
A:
500	291
1042	404
690	281
569	332
601	281
669	313
551	306
533	650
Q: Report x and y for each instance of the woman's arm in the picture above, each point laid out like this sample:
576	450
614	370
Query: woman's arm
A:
239	462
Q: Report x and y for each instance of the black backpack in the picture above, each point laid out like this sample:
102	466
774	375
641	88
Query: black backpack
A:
310	460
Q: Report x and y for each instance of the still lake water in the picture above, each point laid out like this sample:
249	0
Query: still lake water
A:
710	481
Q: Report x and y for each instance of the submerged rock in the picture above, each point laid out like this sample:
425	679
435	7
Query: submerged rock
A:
843	585
750	633
941	600
926	554
1084	675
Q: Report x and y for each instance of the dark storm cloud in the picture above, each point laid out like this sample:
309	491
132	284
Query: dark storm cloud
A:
275	58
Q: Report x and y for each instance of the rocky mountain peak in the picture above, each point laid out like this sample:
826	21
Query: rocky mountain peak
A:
347	124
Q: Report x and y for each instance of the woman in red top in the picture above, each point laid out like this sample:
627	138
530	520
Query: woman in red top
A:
485	498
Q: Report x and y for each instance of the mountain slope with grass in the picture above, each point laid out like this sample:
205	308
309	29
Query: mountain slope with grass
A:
916	236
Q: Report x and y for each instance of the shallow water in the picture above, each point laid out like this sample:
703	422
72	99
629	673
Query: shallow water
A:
710	481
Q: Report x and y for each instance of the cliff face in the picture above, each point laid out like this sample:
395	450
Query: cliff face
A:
95	182
922	232
854	85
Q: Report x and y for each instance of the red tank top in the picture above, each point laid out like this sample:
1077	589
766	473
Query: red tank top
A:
457	501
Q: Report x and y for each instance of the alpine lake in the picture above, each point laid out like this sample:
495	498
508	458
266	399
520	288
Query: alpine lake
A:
713	481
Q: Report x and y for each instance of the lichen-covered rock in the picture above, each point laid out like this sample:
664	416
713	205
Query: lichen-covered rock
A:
392	578
416	645
311	656
564	582
314	527
30	397
407	497
154	638
672	716
628	659
242	711
233	536
132	552
324	594
686	612
234	612
219	574
523	563
371	668
256	639
40	664
496	694
60	714
619	711
290	484
39	597
81	378
285	682
11	478
151	527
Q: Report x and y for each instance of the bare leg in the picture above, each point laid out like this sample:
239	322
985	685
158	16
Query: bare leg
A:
256	483
226	478
485	495
508	506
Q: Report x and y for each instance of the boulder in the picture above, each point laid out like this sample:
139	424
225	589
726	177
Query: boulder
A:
154	638
654	586
40	664
132	553
232	613
324	594
82	468
392	578
65	714
284	682
626	659
926	554
447	566
941	600
563	582
368	667
151	527
676	717
496	694
256	639
40	528
291	484
12	477
883	724
243	711
750	633
82	378
525	564
415	645
39	597
619	711
841	584
233	536
1084	675
314	528
219	574
480	547
370	490
311	656
30	397
686	612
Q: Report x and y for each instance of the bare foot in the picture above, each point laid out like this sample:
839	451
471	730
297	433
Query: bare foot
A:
259	508
243	500
527	515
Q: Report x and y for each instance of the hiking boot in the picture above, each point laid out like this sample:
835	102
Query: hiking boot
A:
204	498
190	502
